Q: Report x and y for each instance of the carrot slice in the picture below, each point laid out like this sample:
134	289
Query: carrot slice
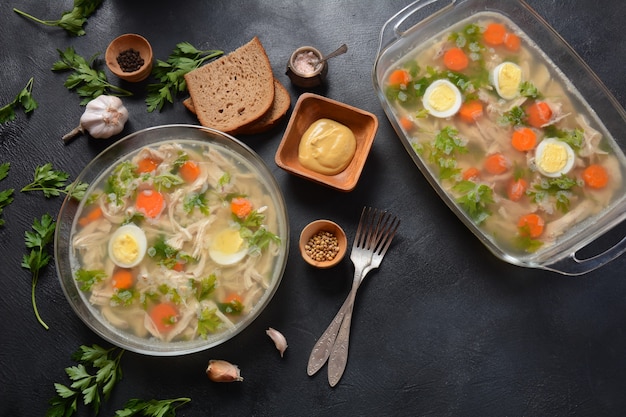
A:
122	279
150	202
399	77
516	189
471	111
240	207
93	215
494	34
524	139
538	114
530	225
595	176
406	123
455	59
496	164
147	165
189	171
164	316
471	173
512	42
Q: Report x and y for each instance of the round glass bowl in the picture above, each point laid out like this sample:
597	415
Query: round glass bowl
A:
69	259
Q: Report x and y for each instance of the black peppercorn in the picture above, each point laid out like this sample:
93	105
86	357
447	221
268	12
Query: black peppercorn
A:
130	60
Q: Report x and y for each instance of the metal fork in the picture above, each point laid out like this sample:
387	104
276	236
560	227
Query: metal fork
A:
373	237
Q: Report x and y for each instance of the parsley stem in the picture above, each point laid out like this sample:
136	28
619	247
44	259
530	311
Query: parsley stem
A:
34	302
43	22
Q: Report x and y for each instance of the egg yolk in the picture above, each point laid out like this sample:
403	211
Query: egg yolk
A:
442	98
553	158
509	79
228	242
125	248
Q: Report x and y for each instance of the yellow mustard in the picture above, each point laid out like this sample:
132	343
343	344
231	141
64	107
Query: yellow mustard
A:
327	147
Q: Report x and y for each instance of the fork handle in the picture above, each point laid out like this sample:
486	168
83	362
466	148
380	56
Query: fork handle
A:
339	353
321	350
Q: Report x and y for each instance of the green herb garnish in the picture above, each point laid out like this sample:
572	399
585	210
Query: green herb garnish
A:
528	89
72	21
574	138
205	287
557	188
87	81
183	59
54	183
208	322
37	241
474	199
93	380
152	408
515	117
6	196
442	151
89	278
196	201
24	99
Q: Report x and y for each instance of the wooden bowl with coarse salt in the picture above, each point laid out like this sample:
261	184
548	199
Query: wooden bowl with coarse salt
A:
323	243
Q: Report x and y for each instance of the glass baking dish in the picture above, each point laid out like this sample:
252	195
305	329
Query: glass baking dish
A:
586	109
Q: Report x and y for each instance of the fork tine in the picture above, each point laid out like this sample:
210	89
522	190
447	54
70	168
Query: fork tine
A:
360	228
389	235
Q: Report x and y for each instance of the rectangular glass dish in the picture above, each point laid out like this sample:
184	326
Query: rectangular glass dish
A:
513	130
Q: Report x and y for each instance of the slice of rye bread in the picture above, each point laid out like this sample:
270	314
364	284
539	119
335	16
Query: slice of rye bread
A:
280	107
233	91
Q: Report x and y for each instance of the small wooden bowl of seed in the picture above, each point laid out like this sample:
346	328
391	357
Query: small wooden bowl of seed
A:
129	56
323	243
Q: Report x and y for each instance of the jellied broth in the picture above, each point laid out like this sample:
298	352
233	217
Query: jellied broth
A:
176	242
517	149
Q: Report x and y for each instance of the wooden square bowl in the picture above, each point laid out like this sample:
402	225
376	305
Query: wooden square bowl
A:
312	107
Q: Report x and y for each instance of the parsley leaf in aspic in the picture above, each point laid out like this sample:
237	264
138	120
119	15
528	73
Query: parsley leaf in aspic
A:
171	73
72	21
93	379
37	241
24	99
54	183
474	199
152	408
86	80
6	196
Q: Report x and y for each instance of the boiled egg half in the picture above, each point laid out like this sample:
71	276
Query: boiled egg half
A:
507	78
228	247
442	99
554	157
127	246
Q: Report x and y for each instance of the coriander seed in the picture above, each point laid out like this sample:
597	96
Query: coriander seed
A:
322	246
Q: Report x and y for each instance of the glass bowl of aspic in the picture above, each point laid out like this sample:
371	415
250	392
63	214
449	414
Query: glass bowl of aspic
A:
178	244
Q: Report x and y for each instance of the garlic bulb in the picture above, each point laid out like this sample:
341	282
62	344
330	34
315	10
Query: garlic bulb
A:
222	371
279	340
104	117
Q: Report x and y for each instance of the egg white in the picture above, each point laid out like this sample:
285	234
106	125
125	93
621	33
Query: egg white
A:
541	149
138	240
432	89
496	80
220	250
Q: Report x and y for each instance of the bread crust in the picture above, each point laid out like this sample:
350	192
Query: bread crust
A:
234	91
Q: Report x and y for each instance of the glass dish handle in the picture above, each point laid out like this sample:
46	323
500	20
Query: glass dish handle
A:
391	30
575	266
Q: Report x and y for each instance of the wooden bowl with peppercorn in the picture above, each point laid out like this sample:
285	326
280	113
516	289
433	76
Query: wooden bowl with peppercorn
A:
323	243
129	57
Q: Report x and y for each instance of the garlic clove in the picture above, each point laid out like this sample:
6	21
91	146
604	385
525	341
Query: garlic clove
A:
279	340
223	371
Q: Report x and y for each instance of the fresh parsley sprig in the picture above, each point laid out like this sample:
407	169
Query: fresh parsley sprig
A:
6	196
171	73
37	241
24	99
93	380
152	408
72	20
54	183
86	80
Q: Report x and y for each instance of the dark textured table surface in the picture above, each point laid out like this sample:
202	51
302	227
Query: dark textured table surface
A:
443	328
